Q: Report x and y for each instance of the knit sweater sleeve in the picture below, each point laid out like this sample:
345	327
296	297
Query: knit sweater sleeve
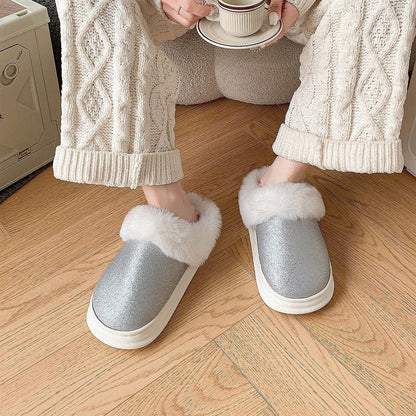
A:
302	5
158	5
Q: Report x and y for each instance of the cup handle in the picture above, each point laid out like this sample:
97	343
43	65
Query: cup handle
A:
215	17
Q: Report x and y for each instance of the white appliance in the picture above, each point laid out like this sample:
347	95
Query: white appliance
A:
29	91
408	132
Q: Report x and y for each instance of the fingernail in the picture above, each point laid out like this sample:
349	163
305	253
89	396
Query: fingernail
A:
273	18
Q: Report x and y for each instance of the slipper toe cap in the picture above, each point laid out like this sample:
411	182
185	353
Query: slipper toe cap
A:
135	286
293	256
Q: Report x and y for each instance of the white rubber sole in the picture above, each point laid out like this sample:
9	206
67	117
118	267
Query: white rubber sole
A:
143	336
281	303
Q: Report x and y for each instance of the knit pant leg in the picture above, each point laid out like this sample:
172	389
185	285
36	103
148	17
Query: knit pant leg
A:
118	95
347	113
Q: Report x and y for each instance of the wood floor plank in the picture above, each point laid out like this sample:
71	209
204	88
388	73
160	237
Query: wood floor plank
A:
241	251
267	412
24	266
91	378
216	117
43	319
265	127
370	342
374	199
4	232
293	372
206	383
45	201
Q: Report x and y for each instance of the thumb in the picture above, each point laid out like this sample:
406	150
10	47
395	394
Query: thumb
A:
275	11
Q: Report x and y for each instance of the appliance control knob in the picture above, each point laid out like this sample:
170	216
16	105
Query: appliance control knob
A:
10	71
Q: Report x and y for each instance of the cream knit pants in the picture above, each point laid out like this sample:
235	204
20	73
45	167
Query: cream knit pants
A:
119	89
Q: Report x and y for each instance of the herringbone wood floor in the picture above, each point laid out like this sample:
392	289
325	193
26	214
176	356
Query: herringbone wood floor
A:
224	352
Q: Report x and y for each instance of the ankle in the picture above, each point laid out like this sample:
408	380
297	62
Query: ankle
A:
173	198
284	170
160	196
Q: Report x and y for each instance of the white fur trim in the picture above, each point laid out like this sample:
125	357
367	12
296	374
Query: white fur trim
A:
287	200
187	242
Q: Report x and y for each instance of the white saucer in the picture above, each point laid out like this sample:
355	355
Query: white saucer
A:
213	33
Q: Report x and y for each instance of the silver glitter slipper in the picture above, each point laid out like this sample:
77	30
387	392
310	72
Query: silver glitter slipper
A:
138	292
291	262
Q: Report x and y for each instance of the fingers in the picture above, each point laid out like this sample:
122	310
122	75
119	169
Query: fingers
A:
194	8
289	16
184	18
190	11
275	11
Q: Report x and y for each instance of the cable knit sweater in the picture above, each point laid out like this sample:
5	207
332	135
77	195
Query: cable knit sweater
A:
119	93
119	89
347	113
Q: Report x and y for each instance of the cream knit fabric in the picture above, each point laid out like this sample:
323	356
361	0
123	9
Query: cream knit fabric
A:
346	114
119	89
118	94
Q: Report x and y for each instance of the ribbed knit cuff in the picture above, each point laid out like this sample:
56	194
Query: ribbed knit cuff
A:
302	5
117	169
344	156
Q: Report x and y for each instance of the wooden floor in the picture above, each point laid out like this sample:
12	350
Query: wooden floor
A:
224	352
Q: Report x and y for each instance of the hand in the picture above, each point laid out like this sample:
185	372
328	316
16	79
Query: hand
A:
190	11
288	12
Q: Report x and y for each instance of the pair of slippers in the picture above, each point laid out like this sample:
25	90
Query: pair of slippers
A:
138	292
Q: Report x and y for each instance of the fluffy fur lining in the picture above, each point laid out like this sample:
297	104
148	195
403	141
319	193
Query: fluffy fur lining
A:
187	242
287	200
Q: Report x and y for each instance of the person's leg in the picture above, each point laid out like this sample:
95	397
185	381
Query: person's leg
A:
118	101
346	115
118	113
284	170
171	197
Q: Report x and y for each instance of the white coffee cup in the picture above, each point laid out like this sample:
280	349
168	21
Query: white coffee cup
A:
239	17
